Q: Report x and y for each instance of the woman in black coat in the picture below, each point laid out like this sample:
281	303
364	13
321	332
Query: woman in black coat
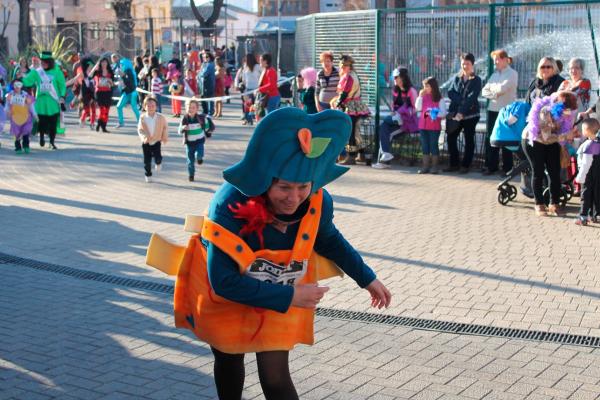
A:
463	114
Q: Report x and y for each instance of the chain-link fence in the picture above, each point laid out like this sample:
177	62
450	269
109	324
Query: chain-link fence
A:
429	41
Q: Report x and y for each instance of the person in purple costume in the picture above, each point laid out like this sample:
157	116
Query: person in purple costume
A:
21	113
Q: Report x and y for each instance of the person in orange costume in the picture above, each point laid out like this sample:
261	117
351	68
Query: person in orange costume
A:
249	282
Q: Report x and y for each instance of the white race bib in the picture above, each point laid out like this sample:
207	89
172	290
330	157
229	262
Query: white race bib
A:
267	271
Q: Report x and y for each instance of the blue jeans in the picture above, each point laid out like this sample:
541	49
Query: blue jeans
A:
387	127
273	103
195	151
429	142
128	98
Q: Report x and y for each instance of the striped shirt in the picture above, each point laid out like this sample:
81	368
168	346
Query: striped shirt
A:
157	86
326	85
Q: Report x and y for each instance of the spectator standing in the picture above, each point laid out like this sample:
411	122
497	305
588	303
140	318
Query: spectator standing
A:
500	90
327	81
463	114
546	82
307	92
250	76
431	108
206	80
267	85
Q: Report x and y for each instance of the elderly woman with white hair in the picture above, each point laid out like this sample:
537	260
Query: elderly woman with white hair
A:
578	84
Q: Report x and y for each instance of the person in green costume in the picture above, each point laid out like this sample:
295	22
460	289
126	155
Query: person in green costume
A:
50	95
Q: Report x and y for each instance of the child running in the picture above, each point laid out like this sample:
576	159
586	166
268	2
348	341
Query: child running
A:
195	128
431	110
152	129
588	159
21	113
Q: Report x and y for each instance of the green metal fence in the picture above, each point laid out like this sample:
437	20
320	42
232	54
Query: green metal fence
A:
428	41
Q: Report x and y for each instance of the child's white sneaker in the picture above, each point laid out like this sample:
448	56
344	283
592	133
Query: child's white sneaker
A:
385	157
158	167
148	179
380	166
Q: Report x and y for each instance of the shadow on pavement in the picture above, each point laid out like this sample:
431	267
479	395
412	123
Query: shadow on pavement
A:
484	275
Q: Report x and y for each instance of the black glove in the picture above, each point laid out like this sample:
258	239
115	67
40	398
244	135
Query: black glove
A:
63	107
343	97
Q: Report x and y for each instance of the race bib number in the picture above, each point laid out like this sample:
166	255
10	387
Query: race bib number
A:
17	100
46	87
266	271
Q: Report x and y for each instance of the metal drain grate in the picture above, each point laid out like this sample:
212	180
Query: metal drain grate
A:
357	316
87	275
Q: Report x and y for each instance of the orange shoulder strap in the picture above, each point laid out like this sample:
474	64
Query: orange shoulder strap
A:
309	226
229	243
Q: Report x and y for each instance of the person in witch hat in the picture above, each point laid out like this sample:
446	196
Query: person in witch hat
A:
50	96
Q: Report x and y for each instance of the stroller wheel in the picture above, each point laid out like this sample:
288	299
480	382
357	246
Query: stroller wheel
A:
503	197
512	192
564	197
568	189
546	196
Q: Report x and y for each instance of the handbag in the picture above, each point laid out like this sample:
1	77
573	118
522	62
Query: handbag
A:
452	125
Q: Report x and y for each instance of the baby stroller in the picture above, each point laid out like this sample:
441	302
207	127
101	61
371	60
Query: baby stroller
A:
507	132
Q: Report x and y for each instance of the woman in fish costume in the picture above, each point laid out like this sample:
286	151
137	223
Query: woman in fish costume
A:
249	282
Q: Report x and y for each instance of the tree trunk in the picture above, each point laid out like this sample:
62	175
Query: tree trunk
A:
125	21
207	24
24	25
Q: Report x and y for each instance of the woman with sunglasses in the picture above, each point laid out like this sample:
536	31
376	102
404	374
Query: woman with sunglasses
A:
546	82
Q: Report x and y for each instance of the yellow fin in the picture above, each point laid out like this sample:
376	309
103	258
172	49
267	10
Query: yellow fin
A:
193	223
325	267
164	255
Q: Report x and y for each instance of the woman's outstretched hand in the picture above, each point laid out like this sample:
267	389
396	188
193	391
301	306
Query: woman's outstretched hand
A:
308	296
380	295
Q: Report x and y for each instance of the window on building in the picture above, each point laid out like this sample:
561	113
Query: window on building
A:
94	28
110	31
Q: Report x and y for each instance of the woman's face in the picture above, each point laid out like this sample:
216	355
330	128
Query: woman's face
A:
285	197
263	63
427	88
467	67
104	63
327	64
500	62
23	63
398	81
575	71
546	70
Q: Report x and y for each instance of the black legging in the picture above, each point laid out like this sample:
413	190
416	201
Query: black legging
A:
47	124
273	372
468	127
544	157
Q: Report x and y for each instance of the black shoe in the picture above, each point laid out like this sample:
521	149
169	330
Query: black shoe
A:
451	169
104	128
200	161
98	126
53	146
191	178
42	141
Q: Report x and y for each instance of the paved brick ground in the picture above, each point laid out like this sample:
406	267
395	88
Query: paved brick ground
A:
444	246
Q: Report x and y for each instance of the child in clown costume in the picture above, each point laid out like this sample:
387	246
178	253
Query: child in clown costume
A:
249	282
129	93
49	82
20	110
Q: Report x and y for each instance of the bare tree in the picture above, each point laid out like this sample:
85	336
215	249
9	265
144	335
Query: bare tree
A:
125	22
207	26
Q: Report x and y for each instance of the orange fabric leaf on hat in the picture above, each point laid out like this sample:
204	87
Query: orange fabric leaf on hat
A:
305	138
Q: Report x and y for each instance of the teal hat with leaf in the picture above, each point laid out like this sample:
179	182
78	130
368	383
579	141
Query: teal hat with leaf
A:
294	146
46	55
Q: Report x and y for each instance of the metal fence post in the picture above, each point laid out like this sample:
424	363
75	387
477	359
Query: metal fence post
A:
491	38
378	17
181	38
80	37
151	28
